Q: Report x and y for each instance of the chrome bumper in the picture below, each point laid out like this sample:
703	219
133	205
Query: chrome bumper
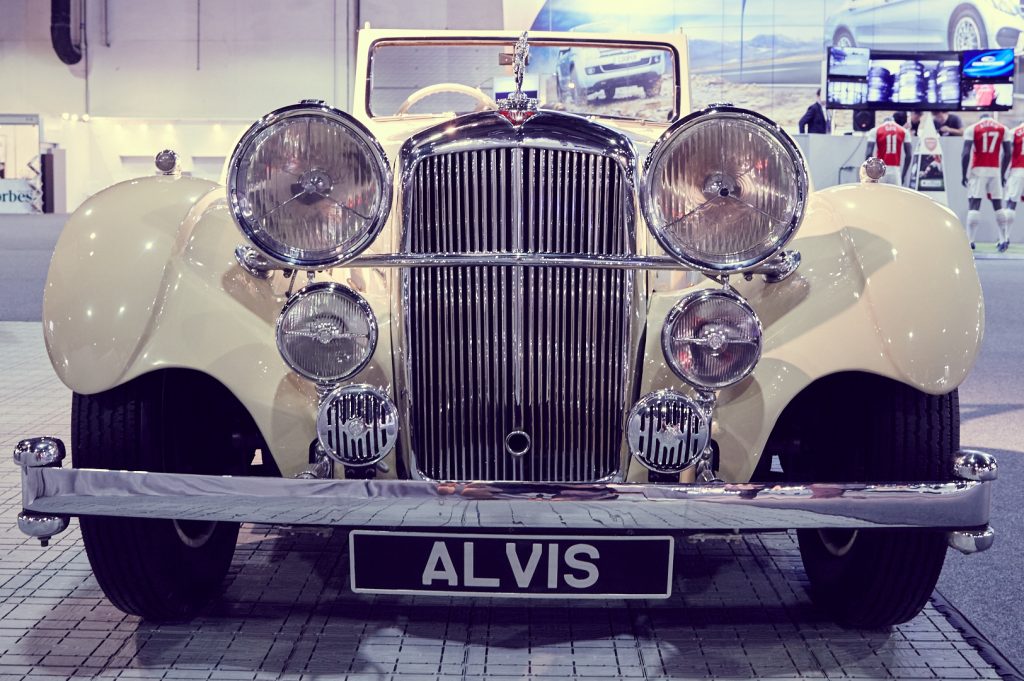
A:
51	494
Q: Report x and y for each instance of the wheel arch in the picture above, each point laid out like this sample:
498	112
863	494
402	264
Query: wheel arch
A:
887	287
178	383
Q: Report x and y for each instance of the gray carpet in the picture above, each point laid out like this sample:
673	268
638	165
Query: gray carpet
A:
987	588
26	244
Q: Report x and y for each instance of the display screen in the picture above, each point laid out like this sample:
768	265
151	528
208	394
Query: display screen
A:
977	80
907	81
987	96
847	94
848	61
988	64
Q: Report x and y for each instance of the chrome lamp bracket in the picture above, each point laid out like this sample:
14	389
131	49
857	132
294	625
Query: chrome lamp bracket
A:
777	268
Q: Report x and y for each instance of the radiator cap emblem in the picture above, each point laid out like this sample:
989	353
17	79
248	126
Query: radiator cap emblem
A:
517	107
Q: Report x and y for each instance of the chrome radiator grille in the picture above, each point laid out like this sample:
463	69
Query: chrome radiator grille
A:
492	350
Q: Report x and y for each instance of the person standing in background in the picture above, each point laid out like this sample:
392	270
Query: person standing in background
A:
890	139
915	122
817	120
987	152
948	125
1014	186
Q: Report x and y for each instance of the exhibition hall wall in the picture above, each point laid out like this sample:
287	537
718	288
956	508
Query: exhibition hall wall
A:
192	76
187	75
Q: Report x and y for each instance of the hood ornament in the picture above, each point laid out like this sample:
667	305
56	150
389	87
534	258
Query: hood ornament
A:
517	107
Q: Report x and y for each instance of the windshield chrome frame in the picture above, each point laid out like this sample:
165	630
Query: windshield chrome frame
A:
539	42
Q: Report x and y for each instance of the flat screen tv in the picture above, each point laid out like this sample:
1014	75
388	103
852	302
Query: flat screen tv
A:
976	80
987	80
987	64
848	61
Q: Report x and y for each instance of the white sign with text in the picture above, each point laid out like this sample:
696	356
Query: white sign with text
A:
18	196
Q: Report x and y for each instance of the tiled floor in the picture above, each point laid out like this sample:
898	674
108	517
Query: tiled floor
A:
740	609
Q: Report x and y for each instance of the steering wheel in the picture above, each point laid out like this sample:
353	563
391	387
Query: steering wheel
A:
483	102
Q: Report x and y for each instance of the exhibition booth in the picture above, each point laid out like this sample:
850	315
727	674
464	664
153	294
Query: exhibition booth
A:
544	338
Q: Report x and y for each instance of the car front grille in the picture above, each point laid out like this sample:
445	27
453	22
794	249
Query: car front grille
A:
496	350
610	67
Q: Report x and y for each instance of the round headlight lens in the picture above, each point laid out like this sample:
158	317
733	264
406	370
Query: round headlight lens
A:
724	190
310	186
712	339
326	332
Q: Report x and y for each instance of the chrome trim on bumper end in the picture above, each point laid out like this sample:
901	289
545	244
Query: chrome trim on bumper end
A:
970	464
39	451
972	541
41	526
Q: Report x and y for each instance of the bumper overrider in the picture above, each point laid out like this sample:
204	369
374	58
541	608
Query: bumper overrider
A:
51	494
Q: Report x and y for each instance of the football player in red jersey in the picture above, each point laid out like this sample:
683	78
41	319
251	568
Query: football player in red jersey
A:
893	145
1014	184
987	153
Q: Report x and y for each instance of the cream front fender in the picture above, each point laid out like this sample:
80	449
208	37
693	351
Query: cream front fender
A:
115	313
108	275
887	286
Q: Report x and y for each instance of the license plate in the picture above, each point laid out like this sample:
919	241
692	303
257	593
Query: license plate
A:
537	566
628	58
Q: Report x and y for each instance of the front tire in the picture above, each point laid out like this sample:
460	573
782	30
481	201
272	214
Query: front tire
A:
870	429
162	570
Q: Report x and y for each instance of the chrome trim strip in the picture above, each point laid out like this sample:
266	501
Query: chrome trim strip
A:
420	504
630	262
518	307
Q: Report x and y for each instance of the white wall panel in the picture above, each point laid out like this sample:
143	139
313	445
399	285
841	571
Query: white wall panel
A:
482	14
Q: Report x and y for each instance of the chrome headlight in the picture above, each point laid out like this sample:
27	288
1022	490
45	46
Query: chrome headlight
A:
326	332
712	339
724	190
309	185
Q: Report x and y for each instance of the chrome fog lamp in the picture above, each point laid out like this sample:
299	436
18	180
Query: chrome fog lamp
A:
357	425
724	189
326	332
309	185
667	431
712	339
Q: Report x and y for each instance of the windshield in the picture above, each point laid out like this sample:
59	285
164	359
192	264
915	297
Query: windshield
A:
434	77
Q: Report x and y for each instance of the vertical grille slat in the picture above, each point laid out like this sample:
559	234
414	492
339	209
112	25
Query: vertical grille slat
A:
494	349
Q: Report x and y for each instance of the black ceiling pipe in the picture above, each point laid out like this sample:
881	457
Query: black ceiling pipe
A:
60	32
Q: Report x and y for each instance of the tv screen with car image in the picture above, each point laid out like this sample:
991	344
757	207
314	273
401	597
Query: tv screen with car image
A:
848	61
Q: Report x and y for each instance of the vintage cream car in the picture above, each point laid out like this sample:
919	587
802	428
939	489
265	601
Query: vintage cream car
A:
519	348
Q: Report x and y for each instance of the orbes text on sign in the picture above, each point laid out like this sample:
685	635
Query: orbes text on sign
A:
17	196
